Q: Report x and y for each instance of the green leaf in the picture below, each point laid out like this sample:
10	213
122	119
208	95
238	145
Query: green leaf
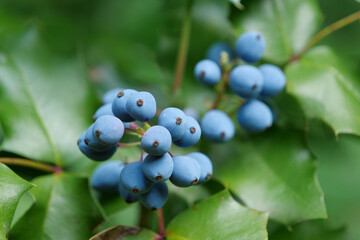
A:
286	25
64	209
124	232
219	217
12	187
45	103
328	88
26	202
273	172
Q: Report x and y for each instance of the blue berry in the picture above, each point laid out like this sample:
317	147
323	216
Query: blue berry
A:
207	72
158	169
246	81
141	106
192	134
103	110
95	155
108	130
156	141
174	120
110	95
205	165
250	46
214	52
119	105
106	176
186	171
126	195
217	126
254	116
156	197
132	178
274	80
93	143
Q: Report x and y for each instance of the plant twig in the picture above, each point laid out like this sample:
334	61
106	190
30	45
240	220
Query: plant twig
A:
220	93
135	130
183	49
32	164
129	144
326	31
161	223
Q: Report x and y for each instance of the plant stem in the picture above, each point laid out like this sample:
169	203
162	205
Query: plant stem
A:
32	164
129	144
220	94
326	31
135	130
161	223
183	49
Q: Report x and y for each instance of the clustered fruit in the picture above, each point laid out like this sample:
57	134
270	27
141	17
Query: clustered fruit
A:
251	83
143	180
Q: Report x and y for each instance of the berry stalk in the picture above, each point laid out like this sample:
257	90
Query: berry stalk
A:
27	163
220	93
161	223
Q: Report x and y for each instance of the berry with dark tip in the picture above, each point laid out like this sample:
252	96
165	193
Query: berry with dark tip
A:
110	95
158	169
156	197
141	106
217	126
132	178
254	116
106	176
93	143
92	154
119	105
174	120
192	134
250	46
156	141
274	80
215	50
126	195
186	171
205	165
108	130
207	72
103	110
246	81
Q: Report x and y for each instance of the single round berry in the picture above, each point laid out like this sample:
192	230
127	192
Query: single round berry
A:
110	95
217	126
192	134
93	143
141	106
158	169
205	165
246	81
132	178
254	116
174	120
207	72
215	50
95	155
106	176
126	195
156	141
156	197
103	110
274	80
186	171
119	105
250	46
108	130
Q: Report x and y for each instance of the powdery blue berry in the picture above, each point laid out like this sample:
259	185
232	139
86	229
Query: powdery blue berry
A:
174	120
119	105
186	171
126	195
192	133
95	155
158	169
93	143
156	141
103	110
108	130
207	72
109	96
141	106
246	81
215	50
156	197
254	116
274	80
217	126
106	176
205	165
250	46
132	178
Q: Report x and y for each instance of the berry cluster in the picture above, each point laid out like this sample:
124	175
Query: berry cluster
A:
247	81
143	180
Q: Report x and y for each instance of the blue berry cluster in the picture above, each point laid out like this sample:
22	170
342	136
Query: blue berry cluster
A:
143	180
249	82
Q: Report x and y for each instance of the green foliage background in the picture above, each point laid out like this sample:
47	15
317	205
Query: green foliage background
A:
297	180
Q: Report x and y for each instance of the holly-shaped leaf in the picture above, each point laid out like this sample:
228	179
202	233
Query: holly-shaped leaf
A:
64	209
328	88
125	232
12	187
218	217
273	172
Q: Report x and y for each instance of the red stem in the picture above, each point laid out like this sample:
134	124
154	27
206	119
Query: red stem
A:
161	223
135	130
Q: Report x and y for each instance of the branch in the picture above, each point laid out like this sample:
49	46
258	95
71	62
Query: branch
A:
220	93
161	223
32	164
